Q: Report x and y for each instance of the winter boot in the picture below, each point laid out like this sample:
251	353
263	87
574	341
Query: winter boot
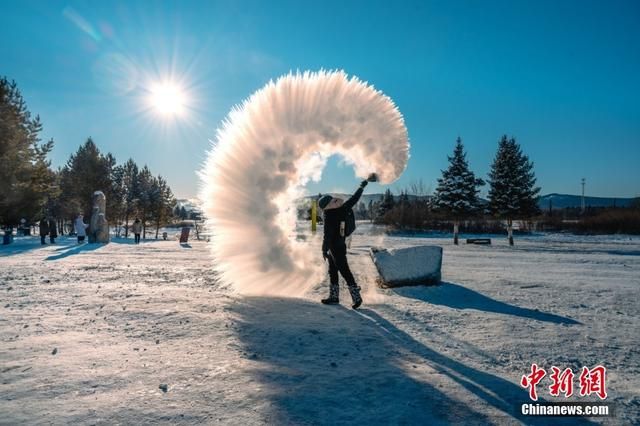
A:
333	295
355	296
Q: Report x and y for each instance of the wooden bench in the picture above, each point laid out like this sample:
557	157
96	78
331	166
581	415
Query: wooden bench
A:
480	241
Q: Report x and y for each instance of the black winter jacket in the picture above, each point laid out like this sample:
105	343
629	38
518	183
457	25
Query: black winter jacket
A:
44	227
53	229
333	218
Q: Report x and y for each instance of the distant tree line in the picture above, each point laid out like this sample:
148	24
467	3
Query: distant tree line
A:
131	191
593	220
512	195
183	213
30	189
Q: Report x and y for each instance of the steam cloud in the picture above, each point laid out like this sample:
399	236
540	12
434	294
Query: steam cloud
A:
266	151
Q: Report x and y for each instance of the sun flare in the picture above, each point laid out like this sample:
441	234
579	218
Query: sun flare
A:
167	98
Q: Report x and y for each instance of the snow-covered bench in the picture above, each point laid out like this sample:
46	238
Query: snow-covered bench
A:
408	266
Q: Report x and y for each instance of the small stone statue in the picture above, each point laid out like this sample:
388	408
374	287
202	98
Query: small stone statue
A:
99	227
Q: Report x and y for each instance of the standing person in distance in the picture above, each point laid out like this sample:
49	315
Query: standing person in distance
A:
337	214
136	228
53	230
80	228
44	230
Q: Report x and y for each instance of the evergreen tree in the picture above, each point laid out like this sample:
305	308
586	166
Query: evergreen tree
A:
145	201
512	192
458	188
402	209
162	202
127	188
130	191
386	204
361	212
403	200
87	171
54	208
25	177
119	192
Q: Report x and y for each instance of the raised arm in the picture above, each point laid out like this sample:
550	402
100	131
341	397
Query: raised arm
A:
356	196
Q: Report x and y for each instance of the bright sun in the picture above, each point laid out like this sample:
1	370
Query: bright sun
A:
167	98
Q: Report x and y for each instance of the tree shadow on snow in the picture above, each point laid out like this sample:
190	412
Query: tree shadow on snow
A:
459	297
72	250
331	365
18	248
25	244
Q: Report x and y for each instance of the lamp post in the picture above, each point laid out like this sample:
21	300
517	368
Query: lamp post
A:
314	213
582	204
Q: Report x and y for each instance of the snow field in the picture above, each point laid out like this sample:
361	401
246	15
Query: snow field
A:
125	319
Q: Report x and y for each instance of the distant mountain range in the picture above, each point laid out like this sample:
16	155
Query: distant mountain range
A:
561	201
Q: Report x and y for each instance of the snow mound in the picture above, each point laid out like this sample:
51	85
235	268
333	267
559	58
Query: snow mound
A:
408	266
267	150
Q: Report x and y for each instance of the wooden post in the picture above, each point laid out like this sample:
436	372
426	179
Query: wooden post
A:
455	232
510	231
314	214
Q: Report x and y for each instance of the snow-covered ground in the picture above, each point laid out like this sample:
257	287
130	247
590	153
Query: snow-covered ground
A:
88	334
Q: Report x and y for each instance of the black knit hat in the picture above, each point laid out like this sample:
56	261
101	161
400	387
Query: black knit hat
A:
324	200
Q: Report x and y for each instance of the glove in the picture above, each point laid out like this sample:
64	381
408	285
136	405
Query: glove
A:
325	255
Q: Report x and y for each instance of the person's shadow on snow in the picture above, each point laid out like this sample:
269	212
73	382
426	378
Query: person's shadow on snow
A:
496	391
459	297
331	365
325	365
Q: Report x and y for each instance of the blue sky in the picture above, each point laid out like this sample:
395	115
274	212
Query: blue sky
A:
562	77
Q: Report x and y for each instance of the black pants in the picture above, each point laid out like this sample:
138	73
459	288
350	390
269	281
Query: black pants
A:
52	239
136	238
338	263
80	238
42	239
